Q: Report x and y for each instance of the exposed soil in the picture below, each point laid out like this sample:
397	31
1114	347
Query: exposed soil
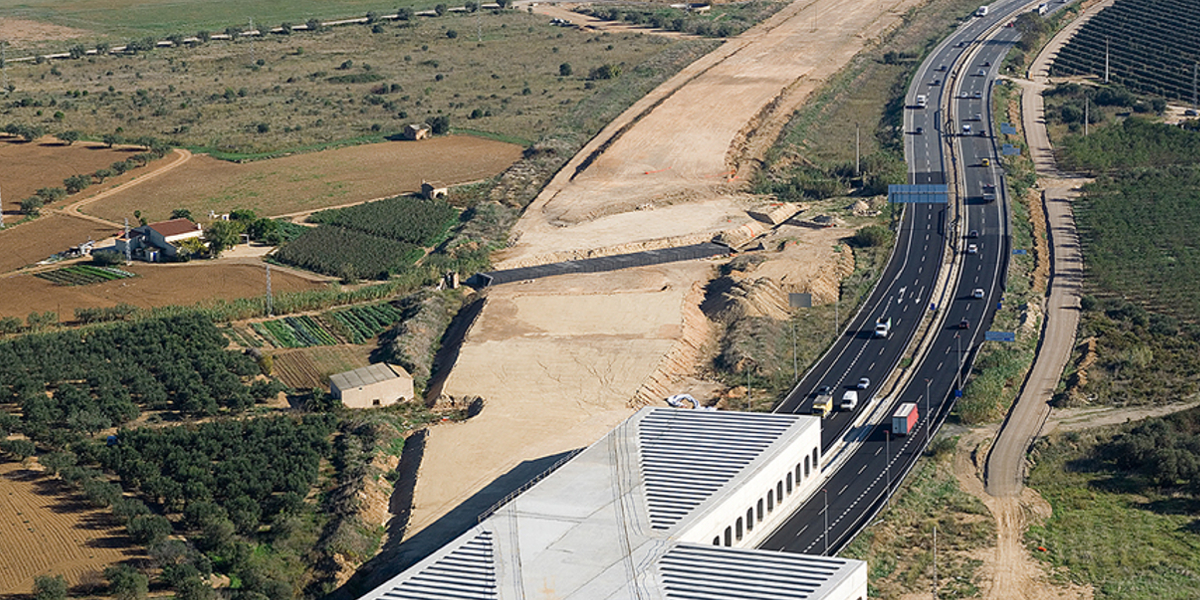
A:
305	368
45	529
29	243
46	162
157	285
19	31
310	181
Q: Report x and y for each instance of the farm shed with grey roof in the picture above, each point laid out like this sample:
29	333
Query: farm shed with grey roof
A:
379	384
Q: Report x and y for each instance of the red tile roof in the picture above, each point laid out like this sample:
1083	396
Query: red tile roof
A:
174	227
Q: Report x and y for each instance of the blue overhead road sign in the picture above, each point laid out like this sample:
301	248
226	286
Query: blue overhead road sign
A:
921	193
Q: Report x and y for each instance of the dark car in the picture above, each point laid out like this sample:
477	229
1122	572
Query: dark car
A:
825	389
974	233
964	324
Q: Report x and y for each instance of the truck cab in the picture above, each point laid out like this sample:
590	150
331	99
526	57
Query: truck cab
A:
883	327
823	405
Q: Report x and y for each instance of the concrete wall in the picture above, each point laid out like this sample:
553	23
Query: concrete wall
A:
763	487
385	392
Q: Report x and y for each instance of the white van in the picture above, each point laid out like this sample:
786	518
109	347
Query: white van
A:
849	400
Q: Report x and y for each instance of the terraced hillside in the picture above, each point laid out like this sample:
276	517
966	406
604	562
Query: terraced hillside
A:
1153	47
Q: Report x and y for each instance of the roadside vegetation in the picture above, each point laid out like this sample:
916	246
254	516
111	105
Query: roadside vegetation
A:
813	162
1125	507
721	20
898	545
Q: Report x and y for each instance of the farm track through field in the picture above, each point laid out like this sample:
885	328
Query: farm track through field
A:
45	529
75	208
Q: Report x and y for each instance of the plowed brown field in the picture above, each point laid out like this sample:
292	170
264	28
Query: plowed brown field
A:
35	241
47	530
311	181
25	167
311	367
157	285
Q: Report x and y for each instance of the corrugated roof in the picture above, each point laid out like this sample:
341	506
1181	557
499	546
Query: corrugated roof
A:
174	227
687	455
691	572
363	376
467	572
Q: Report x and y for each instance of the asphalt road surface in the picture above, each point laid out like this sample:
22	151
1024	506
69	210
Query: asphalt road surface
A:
964	67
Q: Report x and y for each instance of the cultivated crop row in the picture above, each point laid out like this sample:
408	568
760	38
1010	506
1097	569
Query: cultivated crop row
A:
404	218
1148	45
83	275
348	254
354	325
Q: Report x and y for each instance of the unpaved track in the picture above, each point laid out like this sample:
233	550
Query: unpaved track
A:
700	134
1006	462
560	362
182	156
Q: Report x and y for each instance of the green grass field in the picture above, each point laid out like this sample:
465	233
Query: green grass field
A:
1131	543
117	18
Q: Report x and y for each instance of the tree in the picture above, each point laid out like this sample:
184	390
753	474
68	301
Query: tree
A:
32	206
102	48
451	33
111	139
204	36
149	529
503	4
76	183
77	51
221	235
404	14
126	582
55	462
313	25
70	136
181	213
440	9
605	72
18	449
51	194
565	70
46	587
439	124
471	6
101	174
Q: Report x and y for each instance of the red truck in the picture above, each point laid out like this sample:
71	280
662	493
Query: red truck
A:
905	419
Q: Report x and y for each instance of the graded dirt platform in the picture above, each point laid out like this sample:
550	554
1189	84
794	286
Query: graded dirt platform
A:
311	181
557	361
559	368
47	530
156	285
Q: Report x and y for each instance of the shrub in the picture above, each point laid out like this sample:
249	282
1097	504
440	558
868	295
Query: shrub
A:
32	205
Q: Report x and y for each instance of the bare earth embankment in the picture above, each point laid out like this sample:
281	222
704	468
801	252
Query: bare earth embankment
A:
559	362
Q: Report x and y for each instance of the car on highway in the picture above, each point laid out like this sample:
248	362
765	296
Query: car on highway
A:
966	129
863	383
977	294
964	324
987	63
1191	112
978	116
919	130
825	389
941	67
972	249
985	163
981	73
964	95
974	233
936	82
977	95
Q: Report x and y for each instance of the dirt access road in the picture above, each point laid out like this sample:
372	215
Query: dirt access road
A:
560	361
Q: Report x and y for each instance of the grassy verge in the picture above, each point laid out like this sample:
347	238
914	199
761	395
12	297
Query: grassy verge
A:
1000	367
898	546
1129	541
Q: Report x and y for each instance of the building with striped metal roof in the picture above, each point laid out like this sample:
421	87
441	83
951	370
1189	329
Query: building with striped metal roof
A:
667	506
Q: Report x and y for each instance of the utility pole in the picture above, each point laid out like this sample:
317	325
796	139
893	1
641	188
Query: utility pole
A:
887	456
4	63
857	170
935	577
826	492
928	414
270	308
1195	66
1087	107
128	244
1106	60
795	365
793	326
251	35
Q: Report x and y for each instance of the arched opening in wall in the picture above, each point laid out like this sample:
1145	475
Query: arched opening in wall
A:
717	541
760	511
750	519
779	491
816	459
728	536
770	500
739	529
806	466
789	483
798	478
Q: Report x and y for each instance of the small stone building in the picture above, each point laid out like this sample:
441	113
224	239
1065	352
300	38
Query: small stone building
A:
379	384
433	189
415	131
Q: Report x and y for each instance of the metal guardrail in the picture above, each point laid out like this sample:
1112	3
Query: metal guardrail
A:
491	510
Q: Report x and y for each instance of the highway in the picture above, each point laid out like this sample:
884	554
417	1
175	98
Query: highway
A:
869	463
